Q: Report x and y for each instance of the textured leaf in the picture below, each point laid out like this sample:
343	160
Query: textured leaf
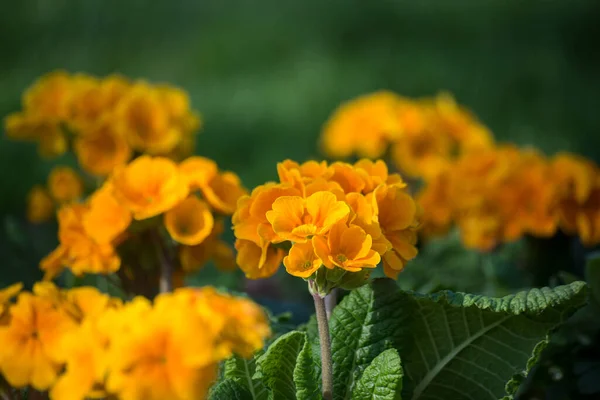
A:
230	390
241	371
367	322
382	379
467	347
276	367
307	375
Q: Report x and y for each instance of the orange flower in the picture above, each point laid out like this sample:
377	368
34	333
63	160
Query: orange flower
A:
106	218
372	173
198	171
347	176
30	350
364	125
189	222
50	137
145	122
6	295
250	220
302	260
397	214
347	247
149	186
40	206
194	257
222	192
94	99
50	96
102	149
255	262
297	219
65	185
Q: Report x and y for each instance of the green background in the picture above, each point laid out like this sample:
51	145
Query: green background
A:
266	74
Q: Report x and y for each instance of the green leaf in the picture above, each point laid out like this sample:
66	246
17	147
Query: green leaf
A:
241	371
382	379
307	375
368	321
592	275
276	367
230	390
467	347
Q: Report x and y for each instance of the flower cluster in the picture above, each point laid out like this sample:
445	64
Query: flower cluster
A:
142	198
107	120
326	219
80	343
64	186
503	193
423	135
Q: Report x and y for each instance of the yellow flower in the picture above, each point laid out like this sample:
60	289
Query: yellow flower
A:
194	257
364	125
297	219
189	222
347	247
149	186
222	192
397	214
146	122
106	218
40	206
94	99
302	260
6	295
101	149
30	351
52	141
348	177
198	171
256	262
50	96
65	185
250	220
85	350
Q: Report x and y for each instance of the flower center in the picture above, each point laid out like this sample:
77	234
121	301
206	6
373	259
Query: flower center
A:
341	258
306	265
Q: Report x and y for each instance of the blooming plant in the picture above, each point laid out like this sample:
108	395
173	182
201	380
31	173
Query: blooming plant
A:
144	212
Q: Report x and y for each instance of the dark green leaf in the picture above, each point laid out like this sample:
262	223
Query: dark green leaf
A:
276	366
370	320
467	347
382	379
241	371
230	390
307	375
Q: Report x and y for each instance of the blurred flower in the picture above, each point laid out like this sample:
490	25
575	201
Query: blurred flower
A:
65	185
149	186
101	149
30	351
364	126
40	206
189	222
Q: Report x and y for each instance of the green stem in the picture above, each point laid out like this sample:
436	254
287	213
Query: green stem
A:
325	341
165	283
330	302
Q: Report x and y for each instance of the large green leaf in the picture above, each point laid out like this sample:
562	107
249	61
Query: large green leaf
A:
367	322
242	371
382	379
276	366
230	390
307	375
467	347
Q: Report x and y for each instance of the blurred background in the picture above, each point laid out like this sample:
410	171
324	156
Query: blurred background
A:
266	75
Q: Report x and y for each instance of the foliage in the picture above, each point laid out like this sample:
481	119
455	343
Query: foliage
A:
392	344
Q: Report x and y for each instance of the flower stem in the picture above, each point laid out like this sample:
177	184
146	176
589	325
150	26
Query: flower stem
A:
165	283
325	341
330	302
